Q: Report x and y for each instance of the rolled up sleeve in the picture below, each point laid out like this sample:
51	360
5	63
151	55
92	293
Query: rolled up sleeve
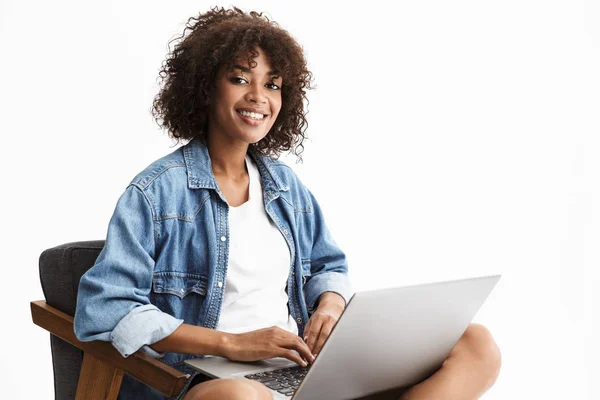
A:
328	264
112	302
326	282
144	325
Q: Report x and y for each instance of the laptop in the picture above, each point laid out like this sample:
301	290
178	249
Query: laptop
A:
385	339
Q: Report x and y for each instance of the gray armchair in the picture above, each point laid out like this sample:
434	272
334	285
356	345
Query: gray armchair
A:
87	370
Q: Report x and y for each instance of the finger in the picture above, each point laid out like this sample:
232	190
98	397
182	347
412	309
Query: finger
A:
305	341
292	356
290	341
307	329
302	348
313	335
325	332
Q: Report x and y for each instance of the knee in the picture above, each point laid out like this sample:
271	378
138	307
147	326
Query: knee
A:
260	391
233	389
482	349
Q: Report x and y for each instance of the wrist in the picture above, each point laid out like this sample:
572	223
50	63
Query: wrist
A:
224	344
331	300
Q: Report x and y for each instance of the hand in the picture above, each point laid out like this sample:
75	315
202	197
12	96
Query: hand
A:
321	323
267	343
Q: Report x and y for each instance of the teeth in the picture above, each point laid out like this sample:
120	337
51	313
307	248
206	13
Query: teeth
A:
251	114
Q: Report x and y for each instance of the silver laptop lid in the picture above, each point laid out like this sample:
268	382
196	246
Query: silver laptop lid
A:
393	337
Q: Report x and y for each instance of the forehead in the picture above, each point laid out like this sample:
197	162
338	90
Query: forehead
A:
261	62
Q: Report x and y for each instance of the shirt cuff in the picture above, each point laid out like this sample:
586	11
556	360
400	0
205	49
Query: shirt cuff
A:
326	282
148	350
143	326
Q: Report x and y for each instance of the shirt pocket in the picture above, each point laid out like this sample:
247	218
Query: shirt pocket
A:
179	284
180	295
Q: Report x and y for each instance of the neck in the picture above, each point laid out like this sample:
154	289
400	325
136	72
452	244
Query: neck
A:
227	158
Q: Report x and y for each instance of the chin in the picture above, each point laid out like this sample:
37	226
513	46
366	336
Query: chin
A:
252	137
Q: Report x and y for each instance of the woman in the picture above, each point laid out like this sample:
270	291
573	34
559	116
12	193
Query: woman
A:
217	248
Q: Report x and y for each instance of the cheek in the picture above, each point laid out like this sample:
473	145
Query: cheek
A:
224	96
225	105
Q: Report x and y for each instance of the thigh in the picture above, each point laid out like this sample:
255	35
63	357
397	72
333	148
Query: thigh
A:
232	389
198	379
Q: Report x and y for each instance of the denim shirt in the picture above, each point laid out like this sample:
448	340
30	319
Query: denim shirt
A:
164	262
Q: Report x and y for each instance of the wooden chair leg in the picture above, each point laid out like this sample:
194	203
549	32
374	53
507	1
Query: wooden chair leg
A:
98	380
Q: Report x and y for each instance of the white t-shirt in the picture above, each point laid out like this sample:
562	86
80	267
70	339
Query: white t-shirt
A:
258	267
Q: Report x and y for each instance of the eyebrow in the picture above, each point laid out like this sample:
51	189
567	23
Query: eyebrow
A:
247	70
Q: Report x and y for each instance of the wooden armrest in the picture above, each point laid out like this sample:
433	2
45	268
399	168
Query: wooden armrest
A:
142	367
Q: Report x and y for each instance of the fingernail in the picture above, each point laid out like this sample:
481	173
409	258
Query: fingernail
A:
305	338
304	363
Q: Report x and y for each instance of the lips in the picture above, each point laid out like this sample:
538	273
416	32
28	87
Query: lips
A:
251	121
253	110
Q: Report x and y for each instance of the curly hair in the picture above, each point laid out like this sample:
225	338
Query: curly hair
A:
189	73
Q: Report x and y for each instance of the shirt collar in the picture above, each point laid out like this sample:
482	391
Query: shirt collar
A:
200	173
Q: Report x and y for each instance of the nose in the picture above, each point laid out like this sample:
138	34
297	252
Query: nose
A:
256	93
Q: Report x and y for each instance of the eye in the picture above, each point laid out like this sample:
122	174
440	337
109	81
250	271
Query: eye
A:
274	86
237	79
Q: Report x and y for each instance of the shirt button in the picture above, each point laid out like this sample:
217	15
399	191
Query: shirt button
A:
220	284
223	238
285	231
299	320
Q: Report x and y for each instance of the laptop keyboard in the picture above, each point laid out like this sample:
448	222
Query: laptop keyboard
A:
284	381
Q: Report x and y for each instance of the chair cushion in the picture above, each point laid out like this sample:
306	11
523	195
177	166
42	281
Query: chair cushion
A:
61	269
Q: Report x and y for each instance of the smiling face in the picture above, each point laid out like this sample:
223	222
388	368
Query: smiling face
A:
247	101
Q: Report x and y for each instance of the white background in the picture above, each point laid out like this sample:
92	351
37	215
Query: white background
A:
448	140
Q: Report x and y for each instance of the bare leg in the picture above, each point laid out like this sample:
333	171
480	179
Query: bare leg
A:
470	370
231	389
